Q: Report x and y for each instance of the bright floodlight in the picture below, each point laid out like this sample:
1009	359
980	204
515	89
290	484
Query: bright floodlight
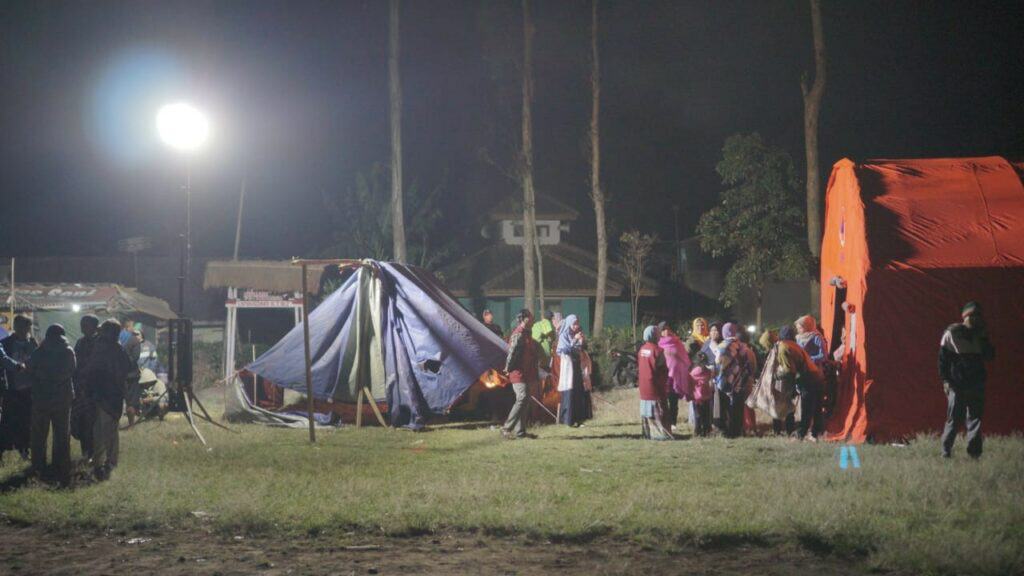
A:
752	328
182	127
76	307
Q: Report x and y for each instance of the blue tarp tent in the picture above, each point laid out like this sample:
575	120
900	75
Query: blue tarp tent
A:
394	330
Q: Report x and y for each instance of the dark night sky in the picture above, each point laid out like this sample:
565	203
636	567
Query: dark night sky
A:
298	95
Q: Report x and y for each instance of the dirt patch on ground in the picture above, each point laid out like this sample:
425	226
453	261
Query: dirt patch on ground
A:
34	550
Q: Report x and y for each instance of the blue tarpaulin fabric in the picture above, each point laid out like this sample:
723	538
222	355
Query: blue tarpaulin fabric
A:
433	350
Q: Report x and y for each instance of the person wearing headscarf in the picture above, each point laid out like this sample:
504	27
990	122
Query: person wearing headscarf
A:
574	408
808	337
16	419
521	368
700	331
52	365
736	367
83	409
652	382
811	340
107	376
711	350
963	351
677	361
798	370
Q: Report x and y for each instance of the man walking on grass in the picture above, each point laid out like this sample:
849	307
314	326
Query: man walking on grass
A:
962	355
521	367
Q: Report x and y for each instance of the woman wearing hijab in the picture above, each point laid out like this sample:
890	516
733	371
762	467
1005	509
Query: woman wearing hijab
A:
736	365
575	405
700	331
52	365
652	382
808	337
711	350
811	340
797	364
678	363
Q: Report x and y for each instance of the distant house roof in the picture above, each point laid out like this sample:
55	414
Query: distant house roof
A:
546	207
497	271
87	297
270	275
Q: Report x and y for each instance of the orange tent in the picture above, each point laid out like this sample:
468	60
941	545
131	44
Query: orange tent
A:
906	244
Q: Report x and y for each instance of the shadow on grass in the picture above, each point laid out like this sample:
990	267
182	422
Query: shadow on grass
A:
81	476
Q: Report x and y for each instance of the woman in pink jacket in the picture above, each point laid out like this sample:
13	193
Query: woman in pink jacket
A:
678	362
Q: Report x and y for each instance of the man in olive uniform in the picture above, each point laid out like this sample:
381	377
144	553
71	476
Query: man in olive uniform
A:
962	355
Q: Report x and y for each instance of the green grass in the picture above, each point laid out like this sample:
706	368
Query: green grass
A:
905	509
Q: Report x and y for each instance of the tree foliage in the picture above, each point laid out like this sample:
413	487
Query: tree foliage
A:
635	250
759	221
361	220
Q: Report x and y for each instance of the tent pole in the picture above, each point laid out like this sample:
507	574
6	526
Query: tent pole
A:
309	362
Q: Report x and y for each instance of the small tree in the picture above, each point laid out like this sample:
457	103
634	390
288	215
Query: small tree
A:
361	221
636	247
759	221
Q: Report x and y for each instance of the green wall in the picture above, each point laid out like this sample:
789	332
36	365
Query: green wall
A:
616	314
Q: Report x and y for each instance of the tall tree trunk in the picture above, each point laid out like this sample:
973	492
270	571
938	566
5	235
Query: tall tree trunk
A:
395	84
526	164
540	278
596	193
812	109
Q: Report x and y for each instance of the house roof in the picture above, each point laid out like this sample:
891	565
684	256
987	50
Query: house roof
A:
87	297
546	207
497	271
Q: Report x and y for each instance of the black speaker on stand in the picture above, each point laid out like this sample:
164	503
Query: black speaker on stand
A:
179	374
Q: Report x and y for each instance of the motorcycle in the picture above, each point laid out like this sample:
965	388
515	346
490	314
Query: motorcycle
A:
624	369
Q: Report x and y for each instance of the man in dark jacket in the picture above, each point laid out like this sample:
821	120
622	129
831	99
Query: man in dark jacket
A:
7	365
488	318
83	410
107	375
52	365
962	355
16	421
521	367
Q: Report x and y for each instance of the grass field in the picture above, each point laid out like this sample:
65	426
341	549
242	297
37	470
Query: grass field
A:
905	509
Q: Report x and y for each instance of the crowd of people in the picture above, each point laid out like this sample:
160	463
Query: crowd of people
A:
554	349
724	378
52	392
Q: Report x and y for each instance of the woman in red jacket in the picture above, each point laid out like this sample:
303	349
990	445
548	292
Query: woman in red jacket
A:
652	380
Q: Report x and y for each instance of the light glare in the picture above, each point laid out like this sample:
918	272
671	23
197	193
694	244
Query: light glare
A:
182	127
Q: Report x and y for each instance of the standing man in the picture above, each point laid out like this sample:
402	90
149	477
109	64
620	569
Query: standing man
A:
132	344
521	367
488	318
963	351
83	410
7	366
52	365
16	421
107	375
